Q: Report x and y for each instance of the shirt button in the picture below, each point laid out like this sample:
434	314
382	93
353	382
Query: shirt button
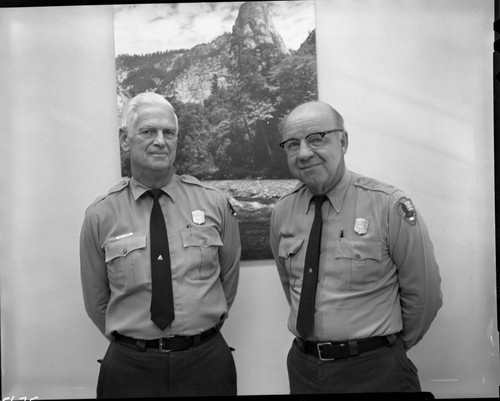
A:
204	241
124	251
358	256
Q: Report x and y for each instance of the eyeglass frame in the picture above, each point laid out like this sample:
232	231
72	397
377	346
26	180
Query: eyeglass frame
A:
282	144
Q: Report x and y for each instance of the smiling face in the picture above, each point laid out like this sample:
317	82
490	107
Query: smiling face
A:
322	168
152	143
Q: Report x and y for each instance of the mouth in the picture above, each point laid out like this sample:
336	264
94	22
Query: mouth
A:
308	167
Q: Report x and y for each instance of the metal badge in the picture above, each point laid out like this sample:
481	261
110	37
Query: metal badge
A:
361	225
407	211
198	216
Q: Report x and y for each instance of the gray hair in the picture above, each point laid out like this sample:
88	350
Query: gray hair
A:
129	111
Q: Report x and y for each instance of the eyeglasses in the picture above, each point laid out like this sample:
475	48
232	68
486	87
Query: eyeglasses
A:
314	141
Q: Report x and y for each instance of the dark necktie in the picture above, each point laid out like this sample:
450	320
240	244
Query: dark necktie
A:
305	316
162	303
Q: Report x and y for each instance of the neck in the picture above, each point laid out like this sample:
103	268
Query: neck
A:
327	186
154	180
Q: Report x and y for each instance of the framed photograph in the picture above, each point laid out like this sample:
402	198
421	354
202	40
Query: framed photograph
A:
231	70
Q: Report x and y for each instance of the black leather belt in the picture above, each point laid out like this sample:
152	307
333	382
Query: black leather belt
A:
330	350
167	344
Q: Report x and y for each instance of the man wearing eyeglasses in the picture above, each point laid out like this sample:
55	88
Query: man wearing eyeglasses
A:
356	264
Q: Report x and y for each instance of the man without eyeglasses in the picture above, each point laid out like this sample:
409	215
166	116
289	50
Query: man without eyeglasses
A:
356	264
159	267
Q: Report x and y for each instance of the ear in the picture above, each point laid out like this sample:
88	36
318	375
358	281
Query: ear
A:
344	141
124	140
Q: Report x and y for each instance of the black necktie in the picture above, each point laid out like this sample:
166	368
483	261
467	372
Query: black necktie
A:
162	303
305	316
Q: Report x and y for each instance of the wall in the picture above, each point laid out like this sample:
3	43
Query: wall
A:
59	151
413	80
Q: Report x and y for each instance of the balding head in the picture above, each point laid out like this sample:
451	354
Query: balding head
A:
315	141
310	111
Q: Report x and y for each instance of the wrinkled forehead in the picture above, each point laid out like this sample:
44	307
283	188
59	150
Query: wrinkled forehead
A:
308	119
155	114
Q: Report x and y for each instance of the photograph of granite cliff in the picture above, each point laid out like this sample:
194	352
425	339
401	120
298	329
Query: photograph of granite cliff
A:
231	71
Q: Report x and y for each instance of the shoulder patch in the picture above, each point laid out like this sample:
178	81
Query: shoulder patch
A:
406	210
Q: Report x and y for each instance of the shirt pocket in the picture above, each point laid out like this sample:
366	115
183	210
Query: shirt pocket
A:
358	263
125	261
289	253
201	245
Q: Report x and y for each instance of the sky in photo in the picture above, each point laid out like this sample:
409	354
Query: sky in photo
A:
148	28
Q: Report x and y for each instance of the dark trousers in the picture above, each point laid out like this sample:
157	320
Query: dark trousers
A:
385	369
205	370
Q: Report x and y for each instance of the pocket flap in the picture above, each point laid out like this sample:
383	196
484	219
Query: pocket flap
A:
358	250
289	246
201	236
124	246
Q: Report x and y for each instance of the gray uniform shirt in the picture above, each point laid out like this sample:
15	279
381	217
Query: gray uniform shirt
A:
378	274
205	248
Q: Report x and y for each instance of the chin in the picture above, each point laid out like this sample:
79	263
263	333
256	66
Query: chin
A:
312	178
160	164
314	183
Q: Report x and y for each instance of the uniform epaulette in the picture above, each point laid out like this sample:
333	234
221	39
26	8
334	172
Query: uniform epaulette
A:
293	190
189	179
117	188
374	185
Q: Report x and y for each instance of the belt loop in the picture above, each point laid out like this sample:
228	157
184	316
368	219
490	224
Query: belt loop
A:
391	339
196	340
141	345
353	348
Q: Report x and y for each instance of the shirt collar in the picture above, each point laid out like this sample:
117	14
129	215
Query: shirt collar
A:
335	195
139	189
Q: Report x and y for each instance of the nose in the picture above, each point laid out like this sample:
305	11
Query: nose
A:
305	152
159	139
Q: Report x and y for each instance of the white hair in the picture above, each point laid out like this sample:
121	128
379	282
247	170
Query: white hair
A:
129	112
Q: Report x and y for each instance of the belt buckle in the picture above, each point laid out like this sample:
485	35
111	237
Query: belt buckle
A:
318	346
160	344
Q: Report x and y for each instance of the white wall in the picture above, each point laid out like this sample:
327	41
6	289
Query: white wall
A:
59	151
413	80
